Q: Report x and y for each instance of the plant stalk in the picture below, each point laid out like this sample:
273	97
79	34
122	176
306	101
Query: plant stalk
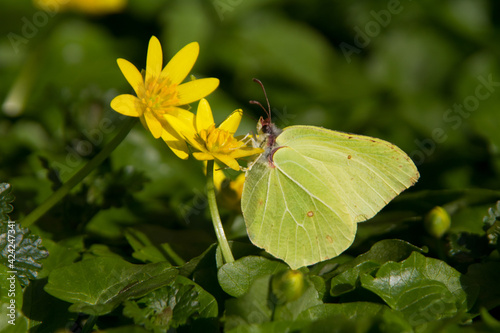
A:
214	211
89	324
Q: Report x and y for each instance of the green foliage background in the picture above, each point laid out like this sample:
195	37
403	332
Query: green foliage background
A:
402	79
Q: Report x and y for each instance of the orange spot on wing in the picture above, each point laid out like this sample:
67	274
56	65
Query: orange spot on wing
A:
349	157
329	239
310	213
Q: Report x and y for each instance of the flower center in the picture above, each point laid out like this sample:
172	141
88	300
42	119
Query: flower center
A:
218	140
159	95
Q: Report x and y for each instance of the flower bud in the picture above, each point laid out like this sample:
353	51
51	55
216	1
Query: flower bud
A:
287	286
437	222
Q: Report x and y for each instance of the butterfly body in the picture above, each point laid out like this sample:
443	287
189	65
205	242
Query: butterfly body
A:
305	194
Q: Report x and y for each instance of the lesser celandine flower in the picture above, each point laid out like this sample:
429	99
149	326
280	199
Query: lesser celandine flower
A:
95	7
160	93
214	143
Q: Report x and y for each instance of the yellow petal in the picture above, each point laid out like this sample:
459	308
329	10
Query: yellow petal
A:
154	124
132	75
154	60
182	114
245	151
127	105
232	122
183	129
227	160
193	91
181	64
204	117
203	156
175	142
219	176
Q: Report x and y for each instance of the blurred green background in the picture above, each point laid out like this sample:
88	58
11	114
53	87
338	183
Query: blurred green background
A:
421	74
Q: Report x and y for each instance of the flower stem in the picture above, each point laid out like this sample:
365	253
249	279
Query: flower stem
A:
214	211
89	324
80	175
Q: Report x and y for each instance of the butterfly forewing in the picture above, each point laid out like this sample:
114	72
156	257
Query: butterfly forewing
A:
366	172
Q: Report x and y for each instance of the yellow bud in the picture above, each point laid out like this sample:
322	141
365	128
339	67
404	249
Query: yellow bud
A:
287	286
437	222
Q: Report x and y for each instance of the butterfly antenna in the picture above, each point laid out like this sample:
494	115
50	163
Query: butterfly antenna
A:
268	111
258	103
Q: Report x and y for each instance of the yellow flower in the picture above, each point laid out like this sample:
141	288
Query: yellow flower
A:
86	6
214	143
160	92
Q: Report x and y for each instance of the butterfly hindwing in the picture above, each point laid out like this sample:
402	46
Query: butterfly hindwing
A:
292	214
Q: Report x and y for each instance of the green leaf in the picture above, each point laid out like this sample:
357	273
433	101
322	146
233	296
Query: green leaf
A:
100	250
271	327
200	262
252	308
172	306
236	277
359	315
62	253
97	286
346	276
239	250
382	252
146	251
20	250
48	318
423	289
487	276
5	199
203	270
259	305
291	310
348	280
126	329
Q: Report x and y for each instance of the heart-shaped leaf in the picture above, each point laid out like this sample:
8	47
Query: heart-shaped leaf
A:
96	286
236	277
423	289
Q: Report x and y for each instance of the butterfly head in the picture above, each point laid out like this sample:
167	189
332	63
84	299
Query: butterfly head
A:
265	127
270	131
